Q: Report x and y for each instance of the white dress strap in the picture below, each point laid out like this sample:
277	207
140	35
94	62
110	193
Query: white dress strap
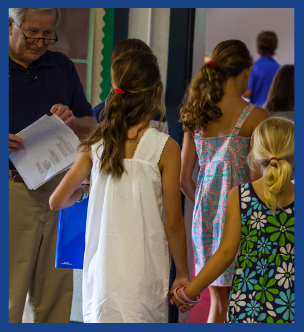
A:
96	150
151	145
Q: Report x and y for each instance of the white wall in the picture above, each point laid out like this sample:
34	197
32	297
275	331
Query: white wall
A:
246	23
156	34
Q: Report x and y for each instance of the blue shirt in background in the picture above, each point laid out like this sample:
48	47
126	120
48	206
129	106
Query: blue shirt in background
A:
261	77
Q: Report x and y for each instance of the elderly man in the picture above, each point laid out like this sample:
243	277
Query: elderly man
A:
40	82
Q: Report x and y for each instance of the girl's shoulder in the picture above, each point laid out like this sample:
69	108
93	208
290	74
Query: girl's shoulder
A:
151	145
258	115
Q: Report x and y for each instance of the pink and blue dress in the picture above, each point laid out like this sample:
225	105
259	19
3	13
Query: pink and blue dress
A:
223	165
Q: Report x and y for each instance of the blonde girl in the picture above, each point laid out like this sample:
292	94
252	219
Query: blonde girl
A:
260	224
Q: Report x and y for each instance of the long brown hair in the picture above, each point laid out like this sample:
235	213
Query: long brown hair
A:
137	74
229	58
281	93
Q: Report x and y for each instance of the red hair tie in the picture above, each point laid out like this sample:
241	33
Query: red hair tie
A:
119	91
272	164
211	64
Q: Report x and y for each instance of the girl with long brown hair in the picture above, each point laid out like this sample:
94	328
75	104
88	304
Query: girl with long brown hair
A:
218	124
133	167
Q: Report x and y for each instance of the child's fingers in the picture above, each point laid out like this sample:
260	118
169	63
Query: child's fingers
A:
186	307
170	297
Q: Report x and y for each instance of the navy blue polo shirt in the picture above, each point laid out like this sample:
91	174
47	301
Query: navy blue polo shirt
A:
261	77
50	80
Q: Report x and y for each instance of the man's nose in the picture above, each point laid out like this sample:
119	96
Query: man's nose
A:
40	43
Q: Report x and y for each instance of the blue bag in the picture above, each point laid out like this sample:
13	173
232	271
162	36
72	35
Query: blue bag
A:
71	236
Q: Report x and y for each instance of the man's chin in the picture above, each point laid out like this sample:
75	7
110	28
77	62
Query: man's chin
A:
33	56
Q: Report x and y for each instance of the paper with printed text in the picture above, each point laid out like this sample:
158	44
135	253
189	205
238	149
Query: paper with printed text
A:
50	148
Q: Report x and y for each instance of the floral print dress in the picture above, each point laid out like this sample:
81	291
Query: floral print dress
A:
223	165
263	284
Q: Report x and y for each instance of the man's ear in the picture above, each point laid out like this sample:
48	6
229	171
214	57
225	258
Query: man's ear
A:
10	25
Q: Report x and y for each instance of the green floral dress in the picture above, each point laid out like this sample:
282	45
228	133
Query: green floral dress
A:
263	283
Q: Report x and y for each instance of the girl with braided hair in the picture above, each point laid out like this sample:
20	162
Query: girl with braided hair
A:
218	124
260	225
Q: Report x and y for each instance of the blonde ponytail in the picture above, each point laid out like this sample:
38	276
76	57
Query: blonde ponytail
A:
273	149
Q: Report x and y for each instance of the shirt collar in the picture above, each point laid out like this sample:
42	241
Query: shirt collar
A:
46	60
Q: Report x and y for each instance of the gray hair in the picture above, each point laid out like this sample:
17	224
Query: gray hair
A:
17	14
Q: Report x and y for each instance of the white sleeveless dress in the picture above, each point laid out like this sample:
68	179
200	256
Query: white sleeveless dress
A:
126	263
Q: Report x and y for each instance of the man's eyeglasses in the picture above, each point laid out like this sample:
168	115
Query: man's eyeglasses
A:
32	40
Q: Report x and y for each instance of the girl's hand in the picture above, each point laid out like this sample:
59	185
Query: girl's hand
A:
182	307
178	282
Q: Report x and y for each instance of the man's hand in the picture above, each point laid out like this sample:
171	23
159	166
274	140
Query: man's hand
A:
81	126
65	114
15	143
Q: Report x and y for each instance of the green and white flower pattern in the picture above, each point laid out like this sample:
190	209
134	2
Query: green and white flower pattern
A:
263	284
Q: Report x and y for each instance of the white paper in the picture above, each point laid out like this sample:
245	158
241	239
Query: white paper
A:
50	148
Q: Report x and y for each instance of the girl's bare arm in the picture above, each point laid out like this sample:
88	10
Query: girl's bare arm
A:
174	222
189	158
225	254
69	191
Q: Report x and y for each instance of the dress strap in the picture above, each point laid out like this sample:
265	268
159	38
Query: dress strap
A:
96	150
248	109
142	139
151	145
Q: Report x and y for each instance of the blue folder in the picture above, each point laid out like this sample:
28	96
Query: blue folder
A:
71	236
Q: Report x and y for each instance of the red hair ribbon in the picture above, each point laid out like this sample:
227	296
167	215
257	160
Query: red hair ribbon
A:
120	91
211	64
272	164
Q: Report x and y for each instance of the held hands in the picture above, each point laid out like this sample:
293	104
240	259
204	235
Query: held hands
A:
173	300
65	114
179	282
15	143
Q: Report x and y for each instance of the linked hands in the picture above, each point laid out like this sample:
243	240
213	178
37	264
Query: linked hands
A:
179	282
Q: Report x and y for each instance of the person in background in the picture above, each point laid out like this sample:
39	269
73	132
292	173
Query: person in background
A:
218	124
280	100
264	69
133	168
40	82
260	222
126	45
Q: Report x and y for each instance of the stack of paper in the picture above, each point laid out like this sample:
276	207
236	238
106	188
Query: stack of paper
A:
50	148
